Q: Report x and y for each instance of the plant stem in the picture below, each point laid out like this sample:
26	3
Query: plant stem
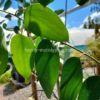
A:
11	14
82	53
18	10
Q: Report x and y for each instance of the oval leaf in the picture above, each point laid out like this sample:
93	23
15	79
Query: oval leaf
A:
7	4
20	12
22	54
71	79
90	89
45	23
3	52
59	11
45	2
47	66
81	2
1	2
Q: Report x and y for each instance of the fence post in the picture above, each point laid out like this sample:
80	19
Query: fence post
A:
96	32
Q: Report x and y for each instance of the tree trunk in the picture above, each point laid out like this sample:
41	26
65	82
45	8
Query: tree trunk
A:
34	86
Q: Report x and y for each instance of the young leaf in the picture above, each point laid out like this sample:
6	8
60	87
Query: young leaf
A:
16	29
19	22
90	89
71	79
1	2
81	2
4	25
8	16
45	2
20	12
27	4
34	37
3	52
38	40
47	66
59	11
7	4
22	54
46	23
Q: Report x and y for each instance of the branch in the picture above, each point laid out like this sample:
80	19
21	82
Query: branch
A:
18	10
82	53
11	14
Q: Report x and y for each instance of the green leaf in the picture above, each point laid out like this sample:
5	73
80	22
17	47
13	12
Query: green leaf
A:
1	2
4	25
59	11
38	40
90	89
47	66
34	37
16	29
8	16
19	22
46	23
81	2
27	4
45	2
20	12
71	79
22	54
7	4
3	52
2	22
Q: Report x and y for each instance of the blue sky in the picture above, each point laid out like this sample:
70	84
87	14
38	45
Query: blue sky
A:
74	19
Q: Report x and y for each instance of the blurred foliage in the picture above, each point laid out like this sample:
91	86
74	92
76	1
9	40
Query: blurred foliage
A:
5	78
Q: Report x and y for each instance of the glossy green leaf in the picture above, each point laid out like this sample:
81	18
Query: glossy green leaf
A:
59	11
90	89
3	52
16	29
7	4
45	2
8	16
38	40
81	2
19	22
47	66
22	54
71	79
34	37
45	22
4	25
1	2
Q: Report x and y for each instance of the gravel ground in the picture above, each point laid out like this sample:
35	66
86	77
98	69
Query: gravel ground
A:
8	92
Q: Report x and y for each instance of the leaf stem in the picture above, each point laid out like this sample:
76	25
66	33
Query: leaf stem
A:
18	10
11	14
82	52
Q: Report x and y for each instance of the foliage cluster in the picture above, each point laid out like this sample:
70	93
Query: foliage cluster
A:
47	26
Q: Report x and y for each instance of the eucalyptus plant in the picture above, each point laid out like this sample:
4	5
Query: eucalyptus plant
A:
47	26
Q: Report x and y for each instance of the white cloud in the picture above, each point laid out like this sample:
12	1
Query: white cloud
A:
93	16
63	19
